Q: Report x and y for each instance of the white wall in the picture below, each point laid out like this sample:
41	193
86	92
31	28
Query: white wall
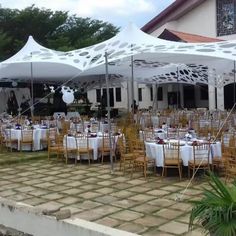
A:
202	20
29	220
145	103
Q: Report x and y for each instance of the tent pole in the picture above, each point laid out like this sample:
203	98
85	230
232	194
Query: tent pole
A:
109	113
132	81
177	87
234	81
32	87
128	101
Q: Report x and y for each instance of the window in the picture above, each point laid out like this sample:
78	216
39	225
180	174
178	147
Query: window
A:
118	94
226	17
140	97
104	97
204	92
151	94
98	95
159	94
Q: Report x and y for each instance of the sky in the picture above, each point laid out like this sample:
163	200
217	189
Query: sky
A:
117	12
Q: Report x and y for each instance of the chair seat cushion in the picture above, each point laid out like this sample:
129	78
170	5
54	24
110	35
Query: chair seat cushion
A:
173	162
144	159
85	150
198	163
105	149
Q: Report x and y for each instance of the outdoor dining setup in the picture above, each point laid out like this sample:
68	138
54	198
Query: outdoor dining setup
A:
133	144
170	138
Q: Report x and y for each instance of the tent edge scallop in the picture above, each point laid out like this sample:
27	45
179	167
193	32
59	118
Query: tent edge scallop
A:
132	41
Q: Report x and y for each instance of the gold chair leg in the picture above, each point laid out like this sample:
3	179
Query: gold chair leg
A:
145	171
180	173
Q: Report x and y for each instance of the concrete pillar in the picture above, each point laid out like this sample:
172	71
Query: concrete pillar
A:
220	99
154	95
211	90
211	97
181	90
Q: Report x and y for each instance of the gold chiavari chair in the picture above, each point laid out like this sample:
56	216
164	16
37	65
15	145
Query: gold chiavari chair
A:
141	161
83	147
231	168
201	155
27	139
171	158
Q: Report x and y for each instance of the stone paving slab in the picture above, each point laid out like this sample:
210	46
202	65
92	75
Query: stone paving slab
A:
90	192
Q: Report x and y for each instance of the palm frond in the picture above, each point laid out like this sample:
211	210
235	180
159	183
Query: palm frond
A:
216	212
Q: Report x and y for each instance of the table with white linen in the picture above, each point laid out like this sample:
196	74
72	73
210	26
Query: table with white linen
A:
103	127
94	143
38	134
156	133
155	151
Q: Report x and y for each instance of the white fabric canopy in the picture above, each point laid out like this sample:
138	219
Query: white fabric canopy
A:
46	64
155	60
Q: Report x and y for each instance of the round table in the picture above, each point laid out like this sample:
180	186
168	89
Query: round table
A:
155	151
38	134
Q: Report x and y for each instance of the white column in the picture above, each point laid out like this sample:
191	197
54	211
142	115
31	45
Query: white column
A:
211	91
181	88
154	96
211	97
220	99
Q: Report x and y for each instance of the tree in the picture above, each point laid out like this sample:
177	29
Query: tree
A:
56	30
83	32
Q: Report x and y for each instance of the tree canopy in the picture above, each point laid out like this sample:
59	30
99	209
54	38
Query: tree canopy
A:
56	30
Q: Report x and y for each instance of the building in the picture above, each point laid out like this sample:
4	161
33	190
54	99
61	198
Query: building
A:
210	18
187	21
198	21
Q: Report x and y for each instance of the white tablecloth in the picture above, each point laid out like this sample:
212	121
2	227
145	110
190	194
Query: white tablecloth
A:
157	133
155	151
38	134
94	143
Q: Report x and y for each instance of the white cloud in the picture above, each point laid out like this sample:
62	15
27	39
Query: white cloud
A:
114	11
87	7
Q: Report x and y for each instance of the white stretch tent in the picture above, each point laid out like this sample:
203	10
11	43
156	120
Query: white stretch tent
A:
18	67
155	60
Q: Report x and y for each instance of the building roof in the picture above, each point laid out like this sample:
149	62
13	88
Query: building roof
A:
173	35
173	12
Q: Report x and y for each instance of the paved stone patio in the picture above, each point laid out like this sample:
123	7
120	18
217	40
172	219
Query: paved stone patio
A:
92	193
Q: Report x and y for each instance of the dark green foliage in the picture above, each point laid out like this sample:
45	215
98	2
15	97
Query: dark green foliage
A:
56	30
216	212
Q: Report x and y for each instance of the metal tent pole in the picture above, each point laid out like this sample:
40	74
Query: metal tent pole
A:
234	82
128	100
178	100
132	82
109	113
32	87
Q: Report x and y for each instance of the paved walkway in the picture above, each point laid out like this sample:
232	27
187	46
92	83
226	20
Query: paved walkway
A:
92	193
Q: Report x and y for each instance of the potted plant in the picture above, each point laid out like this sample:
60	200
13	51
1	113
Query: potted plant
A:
216	211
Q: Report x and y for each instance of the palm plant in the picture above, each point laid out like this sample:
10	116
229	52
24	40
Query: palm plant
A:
216	212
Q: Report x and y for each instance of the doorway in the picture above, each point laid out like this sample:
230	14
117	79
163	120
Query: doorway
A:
189	96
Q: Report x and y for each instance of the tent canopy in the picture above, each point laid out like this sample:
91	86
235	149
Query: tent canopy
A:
49	67
155	60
